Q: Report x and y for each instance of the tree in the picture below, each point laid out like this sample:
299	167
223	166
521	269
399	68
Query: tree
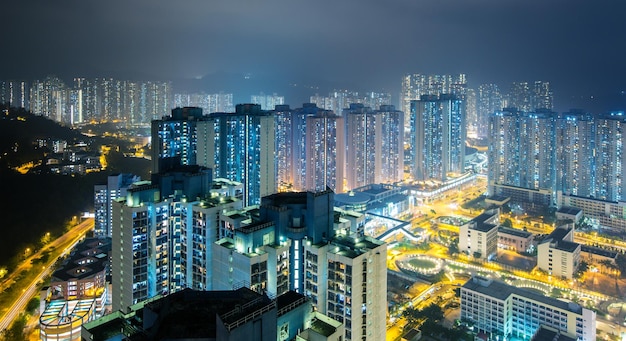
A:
453	248
621	263
507	222
582	268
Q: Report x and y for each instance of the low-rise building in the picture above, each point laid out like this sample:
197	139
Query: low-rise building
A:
504	312
514	239
78	291
569	213
610	214
479	237
557	254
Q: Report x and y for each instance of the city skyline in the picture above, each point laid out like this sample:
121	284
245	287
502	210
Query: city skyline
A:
574	45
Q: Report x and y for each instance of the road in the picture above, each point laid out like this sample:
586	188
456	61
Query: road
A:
70	238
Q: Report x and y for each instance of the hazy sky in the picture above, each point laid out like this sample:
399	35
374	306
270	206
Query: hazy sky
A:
578	45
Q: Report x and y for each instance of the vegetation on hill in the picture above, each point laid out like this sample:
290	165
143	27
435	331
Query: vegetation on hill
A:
35	204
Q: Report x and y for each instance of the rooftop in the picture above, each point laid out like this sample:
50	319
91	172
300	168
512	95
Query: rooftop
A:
87	259
289	301
187	314
352	247
557	237
323	328
598	251
567	246
482	227
514	232
569	210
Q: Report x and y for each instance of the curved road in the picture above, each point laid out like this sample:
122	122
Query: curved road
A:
72	237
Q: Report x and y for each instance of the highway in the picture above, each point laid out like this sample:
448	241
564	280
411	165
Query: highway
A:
71	238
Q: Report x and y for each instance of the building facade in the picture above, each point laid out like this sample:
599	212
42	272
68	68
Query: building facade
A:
104	195
557	254
162	235
437	138
479	237
240	147
504	311
346	279
374	145
174	139
325	152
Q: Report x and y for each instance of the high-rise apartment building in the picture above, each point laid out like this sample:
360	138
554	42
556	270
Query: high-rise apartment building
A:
100	99
575	153
162	234
240	147
174	139
522	150
489	101
16	93
504	311
47	98
374	145
104	195
610	162
346	279
437	138
296	241
325	151
471	109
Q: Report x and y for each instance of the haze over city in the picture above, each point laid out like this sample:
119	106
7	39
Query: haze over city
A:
578	45
323	170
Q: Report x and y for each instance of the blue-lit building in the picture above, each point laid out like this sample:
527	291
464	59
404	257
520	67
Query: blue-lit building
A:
291	147
573	153
240	147
162	232
104	195
437	137
610	162
174	139
489	101
292	242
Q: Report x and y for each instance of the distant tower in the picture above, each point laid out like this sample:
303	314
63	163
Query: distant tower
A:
267	102
437	140
489	102
529	97
414	86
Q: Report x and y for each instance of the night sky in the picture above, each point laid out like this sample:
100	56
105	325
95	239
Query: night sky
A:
577	45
